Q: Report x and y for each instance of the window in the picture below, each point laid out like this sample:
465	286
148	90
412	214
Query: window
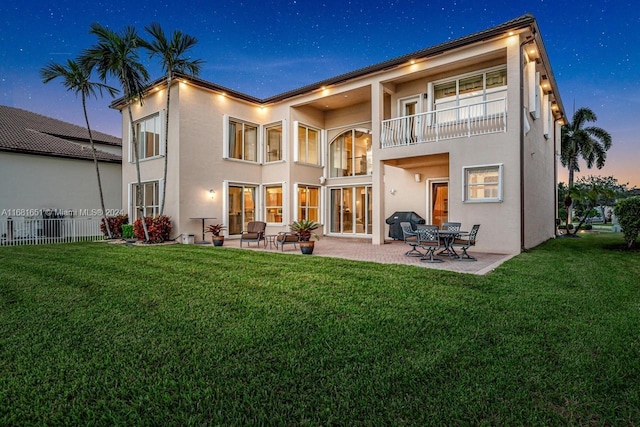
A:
308	203
308	145
474	89
243	141
350	154
148	137
273	143
148	201
482	183
273	203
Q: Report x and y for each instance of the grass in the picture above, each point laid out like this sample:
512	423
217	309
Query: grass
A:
186	335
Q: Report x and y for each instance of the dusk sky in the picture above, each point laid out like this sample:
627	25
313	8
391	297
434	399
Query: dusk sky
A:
267	47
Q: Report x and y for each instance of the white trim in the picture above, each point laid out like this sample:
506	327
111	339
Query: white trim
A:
546	109
296	155
225	136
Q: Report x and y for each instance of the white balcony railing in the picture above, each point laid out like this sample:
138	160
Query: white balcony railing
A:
448	123
38	231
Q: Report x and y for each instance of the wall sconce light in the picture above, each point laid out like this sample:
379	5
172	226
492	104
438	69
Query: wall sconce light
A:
392	191
322	179
417	177
211	193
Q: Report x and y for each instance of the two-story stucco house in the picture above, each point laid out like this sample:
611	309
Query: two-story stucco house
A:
463	131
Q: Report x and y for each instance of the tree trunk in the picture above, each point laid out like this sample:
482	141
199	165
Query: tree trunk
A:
95	162
134	139
166	142
570	206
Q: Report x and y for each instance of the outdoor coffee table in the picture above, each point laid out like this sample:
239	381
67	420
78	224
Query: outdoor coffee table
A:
448	236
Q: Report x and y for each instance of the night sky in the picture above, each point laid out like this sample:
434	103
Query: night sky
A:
268	47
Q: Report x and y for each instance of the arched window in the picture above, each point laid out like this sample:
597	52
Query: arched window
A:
350	154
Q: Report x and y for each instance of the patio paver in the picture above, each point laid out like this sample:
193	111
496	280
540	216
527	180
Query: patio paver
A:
392	252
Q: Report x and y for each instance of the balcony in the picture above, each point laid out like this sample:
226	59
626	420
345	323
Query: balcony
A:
448	123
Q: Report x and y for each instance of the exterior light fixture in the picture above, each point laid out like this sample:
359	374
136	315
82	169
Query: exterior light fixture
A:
322	179
417	177
212	192
392	191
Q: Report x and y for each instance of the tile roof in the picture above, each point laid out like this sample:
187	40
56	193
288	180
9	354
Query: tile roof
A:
22	131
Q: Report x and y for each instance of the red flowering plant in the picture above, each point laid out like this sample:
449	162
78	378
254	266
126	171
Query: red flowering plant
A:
159	228
115	225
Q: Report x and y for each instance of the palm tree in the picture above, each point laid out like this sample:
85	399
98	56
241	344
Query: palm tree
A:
116	55
75	78
589	143
172	58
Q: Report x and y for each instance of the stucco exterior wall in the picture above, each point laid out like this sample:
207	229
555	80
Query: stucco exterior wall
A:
38	183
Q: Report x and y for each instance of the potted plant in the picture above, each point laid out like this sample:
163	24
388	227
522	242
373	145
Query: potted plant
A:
303	229
215	230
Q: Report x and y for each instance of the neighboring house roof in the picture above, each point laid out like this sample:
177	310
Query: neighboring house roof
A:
521	22
22	131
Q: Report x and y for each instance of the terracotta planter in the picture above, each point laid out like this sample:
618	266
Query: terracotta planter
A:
217	240
306	247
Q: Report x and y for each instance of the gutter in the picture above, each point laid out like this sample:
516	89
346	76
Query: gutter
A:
521	116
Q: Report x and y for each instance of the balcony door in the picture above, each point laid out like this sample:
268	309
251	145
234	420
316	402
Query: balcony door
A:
408	109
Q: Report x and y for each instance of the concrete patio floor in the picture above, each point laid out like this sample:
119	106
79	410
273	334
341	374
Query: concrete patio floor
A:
392	252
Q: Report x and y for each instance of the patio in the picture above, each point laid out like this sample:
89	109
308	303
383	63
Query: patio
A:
392	252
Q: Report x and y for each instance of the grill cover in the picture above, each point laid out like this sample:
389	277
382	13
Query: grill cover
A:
395	231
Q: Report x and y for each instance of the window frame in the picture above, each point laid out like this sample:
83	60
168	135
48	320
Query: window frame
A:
457	98
466	170
307	207
267	206
228	153
133	198
298	154
142	147
278	124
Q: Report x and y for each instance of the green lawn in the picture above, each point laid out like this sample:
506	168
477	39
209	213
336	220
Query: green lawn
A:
184	335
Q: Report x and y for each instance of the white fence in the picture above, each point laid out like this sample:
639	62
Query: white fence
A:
448	123
38	231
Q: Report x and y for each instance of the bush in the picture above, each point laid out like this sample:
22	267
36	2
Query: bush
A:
628	213
564	227
127	231
115	225
588	226
159	228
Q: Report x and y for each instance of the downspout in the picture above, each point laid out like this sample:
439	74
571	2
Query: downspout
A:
528	40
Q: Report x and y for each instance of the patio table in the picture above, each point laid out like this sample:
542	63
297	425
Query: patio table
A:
202	218
448	236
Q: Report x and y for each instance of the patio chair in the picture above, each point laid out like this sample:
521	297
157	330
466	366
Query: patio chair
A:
429	240
286	238
410	239
464	242
254	233
451	226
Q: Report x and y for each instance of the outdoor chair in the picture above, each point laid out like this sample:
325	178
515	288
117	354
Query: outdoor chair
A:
464	242
429	240
254	233
286	238
451	226
410	239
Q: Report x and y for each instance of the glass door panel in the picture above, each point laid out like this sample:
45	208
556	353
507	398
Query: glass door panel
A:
439	203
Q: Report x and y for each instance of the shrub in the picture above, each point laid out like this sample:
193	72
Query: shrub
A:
127	231
564	227
588	226
115	225
159	228
628	213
